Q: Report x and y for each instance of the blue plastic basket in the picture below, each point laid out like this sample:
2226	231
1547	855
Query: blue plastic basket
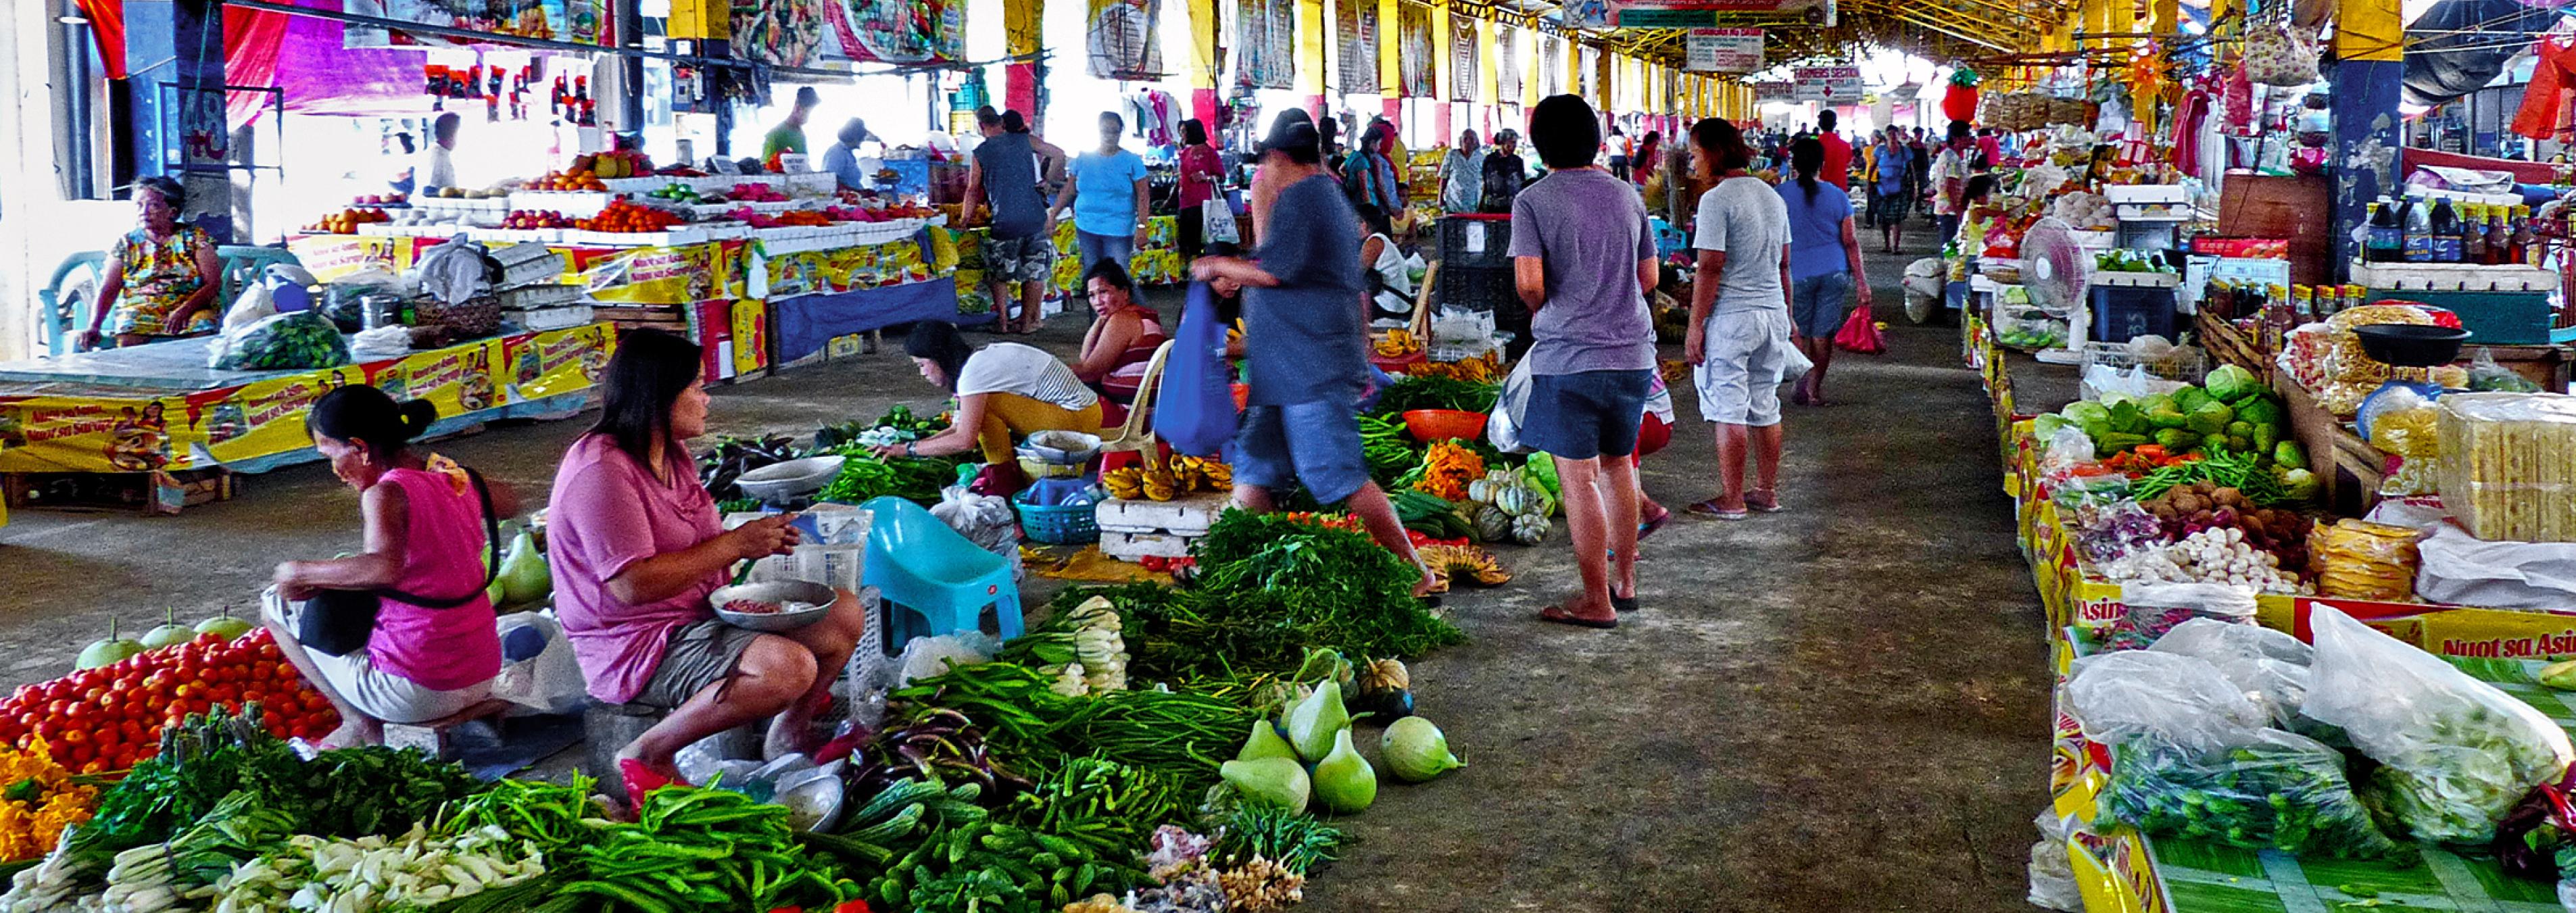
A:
1061	524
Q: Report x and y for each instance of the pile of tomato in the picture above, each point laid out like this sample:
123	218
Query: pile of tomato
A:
107	718
626	216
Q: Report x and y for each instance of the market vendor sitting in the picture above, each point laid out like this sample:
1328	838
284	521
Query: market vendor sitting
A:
161	278
1121	342
1005	391
426	534
637	547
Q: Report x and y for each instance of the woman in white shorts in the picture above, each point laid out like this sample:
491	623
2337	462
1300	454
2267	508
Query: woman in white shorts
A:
427	535
1738	343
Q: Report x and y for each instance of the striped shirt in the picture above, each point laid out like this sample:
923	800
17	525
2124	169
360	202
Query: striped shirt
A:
1009	367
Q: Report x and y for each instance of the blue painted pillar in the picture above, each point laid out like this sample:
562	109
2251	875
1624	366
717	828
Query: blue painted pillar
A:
176	49
2369	38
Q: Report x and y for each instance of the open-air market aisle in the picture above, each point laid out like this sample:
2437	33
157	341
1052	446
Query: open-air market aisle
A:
1841	707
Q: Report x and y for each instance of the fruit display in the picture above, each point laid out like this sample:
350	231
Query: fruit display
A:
525	219
1397	343
1482	369
1181	476
792	218
624	163
346	221
623	216
675	192
383	199
575	179
107	716
756	193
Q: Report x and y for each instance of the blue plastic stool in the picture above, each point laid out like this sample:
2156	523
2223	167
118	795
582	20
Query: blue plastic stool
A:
941	579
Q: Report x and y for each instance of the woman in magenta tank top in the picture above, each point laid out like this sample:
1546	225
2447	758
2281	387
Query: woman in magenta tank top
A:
425	536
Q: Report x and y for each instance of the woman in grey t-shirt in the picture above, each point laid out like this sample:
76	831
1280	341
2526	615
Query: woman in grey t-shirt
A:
1738	343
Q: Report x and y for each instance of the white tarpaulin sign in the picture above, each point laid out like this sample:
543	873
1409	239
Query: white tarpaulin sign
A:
1831	85
1723	50
1768	92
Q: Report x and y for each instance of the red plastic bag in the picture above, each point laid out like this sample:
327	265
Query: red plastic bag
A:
1860	334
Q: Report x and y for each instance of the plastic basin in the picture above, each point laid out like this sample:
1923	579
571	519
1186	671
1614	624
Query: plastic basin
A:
1429	425
2410	345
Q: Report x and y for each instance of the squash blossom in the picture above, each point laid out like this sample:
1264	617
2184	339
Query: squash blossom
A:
38	802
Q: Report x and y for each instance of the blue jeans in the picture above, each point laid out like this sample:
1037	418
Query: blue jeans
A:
1816	305
1092	248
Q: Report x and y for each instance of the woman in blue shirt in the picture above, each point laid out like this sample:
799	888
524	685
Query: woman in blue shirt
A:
1106	190
1824	264
1368	177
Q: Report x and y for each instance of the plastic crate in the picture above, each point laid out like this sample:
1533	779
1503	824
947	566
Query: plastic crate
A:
2122	313
1475	241
1477	288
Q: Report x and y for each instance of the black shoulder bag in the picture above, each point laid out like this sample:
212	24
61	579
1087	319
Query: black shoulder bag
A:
339	622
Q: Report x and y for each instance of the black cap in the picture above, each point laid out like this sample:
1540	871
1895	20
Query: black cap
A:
1292	131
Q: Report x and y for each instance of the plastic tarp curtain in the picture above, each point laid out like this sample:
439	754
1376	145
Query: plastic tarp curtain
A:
2544	101
107	22
2458	46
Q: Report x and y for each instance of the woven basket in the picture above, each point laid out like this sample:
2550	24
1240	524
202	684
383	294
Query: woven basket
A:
472	318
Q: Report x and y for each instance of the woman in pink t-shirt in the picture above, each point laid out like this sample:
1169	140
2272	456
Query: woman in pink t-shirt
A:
425	536
636	547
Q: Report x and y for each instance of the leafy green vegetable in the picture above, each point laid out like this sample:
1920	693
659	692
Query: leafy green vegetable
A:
1409	393
865	476
2229	383
2287	793
1299	842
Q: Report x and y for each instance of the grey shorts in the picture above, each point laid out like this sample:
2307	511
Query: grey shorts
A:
698	655
1587	414
1029	259
1316	444
1816	310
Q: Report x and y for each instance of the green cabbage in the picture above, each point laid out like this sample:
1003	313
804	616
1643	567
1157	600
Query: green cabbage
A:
2261	410
2189	398
2210	418
2177	440
2290	455
2231	383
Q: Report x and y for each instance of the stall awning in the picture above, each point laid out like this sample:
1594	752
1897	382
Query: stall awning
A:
2458	46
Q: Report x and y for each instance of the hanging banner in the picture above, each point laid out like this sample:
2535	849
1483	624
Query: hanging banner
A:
1462	57
787	33
897	31
1589	14
1683	14
1355	27
1413	51
1551	66
1768	92
1587	71
1266	45
1125	40
1722	50
576	21
1830	85
1507	65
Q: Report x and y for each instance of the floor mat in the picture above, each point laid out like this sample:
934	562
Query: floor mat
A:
1085	566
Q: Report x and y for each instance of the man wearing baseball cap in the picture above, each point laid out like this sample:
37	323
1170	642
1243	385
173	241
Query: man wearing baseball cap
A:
1305	333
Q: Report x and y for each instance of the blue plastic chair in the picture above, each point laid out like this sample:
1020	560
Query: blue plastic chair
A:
64	304
944	579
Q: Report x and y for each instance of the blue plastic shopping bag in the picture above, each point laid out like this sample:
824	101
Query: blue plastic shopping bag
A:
1194	404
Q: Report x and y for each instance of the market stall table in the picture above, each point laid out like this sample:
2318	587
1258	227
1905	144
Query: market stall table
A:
158	410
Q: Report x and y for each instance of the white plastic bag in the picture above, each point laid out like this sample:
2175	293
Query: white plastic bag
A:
2052	872
549	681
2268	665
2153	608
253	306
2184	699
2456	753
1503	427
929	657
2461	569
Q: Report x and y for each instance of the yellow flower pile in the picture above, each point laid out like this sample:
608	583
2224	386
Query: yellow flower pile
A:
38	800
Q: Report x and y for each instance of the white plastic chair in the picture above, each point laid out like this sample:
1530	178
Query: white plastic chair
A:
1137	432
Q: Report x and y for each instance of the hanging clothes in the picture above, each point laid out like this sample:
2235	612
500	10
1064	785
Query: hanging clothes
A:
2544	101
2186	135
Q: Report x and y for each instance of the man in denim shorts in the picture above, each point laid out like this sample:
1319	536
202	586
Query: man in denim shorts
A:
1305	327
1019	249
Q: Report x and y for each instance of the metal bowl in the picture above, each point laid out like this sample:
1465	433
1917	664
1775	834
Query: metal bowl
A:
813	800
777	591
781	481
2409	345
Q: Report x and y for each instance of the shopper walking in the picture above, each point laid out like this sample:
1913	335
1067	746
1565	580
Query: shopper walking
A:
1738	342
1949	178
1304	328
1838	152
1462	175
1583	260
1505	173
1619	149
1891	195
1019	257
1650	152
1107	196
1369	177
1200	170
1824	264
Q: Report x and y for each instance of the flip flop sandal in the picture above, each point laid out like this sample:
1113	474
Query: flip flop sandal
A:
1558	615
1649	527
1709	508
1623	603
1765	501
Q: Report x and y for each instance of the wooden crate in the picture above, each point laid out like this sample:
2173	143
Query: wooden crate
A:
2348	469
2228	345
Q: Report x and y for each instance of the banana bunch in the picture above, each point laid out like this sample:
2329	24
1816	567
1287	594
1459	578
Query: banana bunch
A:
1397	343
1179	477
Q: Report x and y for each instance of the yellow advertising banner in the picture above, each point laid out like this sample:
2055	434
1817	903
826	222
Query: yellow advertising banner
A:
332	257
686	274
265	419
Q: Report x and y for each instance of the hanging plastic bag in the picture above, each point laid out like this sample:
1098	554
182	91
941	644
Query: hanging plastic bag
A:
1194	406
1216	222
2456	753
1860	334
2277	54
1503	425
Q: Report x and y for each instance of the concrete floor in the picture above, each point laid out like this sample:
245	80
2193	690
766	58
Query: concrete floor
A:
1838	708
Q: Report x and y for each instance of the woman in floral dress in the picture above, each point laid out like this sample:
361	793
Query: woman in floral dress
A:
161	277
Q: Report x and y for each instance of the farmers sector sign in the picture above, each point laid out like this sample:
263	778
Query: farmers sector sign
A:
1830	85
1684	14
1723	50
